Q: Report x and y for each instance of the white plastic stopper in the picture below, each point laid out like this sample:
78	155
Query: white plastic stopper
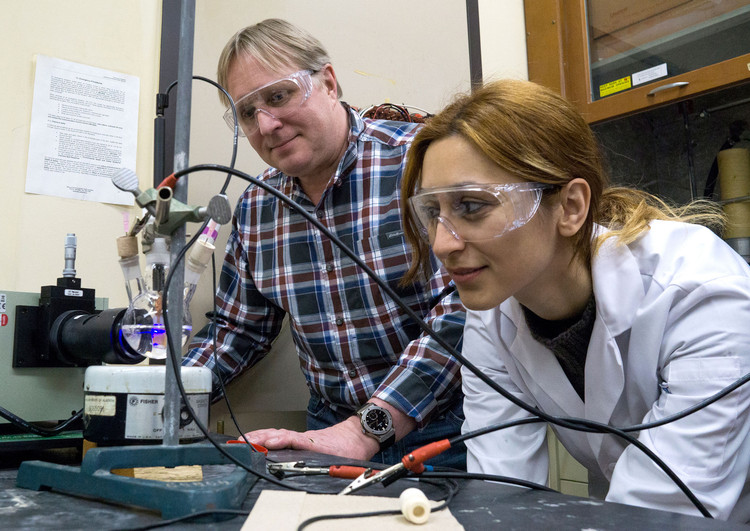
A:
415	506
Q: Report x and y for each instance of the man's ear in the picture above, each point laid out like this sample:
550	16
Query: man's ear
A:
575	198
329	82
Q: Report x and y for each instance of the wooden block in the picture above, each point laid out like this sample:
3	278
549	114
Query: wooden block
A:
158	473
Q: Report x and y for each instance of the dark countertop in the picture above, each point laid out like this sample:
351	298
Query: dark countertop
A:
477	505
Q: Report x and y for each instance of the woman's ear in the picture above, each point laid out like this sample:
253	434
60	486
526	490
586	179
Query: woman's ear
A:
575	198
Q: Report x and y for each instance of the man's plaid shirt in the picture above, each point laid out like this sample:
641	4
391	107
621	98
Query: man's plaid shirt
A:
353	342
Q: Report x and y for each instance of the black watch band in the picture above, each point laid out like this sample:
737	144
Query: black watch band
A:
377	423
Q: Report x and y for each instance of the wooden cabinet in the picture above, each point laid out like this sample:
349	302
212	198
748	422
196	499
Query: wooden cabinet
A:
566	475
614	58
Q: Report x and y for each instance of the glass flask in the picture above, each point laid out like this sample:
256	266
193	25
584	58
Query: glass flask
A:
143	323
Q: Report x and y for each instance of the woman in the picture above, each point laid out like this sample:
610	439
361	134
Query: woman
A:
584	301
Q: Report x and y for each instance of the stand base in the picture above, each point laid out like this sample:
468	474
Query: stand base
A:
94	478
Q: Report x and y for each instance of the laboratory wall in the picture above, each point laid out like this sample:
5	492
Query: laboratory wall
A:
412	53
502	32
110	34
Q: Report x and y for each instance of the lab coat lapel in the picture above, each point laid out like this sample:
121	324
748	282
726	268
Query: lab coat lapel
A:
541	372
605	380
618	290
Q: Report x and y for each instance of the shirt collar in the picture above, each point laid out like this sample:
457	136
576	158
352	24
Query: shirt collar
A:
349	160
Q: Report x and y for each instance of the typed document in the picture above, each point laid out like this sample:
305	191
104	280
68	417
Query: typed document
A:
84	128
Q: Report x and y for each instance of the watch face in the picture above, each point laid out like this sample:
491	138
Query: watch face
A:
378	421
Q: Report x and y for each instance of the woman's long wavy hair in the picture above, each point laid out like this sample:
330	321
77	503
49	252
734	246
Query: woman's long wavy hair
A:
533	133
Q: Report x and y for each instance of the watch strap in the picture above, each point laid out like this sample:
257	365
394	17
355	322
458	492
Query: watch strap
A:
388	442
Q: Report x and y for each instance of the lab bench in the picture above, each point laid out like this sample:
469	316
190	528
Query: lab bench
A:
477	505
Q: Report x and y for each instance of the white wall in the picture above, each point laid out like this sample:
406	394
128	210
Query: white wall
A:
111	34
503	39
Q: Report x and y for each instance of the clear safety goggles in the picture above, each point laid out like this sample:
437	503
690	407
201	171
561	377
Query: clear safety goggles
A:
476	212
277	99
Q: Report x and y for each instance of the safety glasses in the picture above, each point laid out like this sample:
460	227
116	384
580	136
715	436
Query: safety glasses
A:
276	99
476	212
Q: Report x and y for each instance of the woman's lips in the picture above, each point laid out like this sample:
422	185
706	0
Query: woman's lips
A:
465	274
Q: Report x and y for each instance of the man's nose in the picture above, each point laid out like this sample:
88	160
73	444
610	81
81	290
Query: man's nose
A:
267	122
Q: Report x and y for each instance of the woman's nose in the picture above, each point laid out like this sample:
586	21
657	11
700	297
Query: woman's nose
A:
446	240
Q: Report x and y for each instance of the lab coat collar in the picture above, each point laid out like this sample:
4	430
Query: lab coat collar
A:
618	287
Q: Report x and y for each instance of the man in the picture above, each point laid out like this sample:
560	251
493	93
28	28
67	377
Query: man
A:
376	386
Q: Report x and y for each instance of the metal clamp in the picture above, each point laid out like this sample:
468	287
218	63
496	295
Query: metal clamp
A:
297	467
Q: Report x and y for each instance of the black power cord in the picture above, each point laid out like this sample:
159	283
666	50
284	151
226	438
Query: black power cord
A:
452	488
236	131
176	365
187	518
39	430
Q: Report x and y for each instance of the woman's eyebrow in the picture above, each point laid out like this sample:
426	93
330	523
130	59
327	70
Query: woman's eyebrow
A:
456	185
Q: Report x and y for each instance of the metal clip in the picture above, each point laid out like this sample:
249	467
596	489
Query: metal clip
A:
296	467
368	477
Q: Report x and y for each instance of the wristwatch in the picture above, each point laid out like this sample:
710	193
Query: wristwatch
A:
378	424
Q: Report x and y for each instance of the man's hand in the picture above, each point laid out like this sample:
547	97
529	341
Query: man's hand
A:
344	439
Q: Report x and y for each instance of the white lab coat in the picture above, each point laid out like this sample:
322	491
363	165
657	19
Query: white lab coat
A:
672	328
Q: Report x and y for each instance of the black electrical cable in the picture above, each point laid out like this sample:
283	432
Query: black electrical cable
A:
236	131
449	497
451	486
692	409
530	420
567	422
187	518
489	429
38	430
322	517
235	138
176	365
459	474
175	361
216	371
629	438
636	427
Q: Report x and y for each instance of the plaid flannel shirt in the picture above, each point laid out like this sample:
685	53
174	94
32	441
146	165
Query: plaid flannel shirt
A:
353	342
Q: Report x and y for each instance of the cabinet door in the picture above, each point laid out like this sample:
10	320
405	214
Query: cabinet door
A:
613	58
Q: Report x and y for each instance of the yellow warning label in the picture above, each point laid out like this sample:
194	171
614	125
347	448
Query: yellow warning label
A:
614	86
